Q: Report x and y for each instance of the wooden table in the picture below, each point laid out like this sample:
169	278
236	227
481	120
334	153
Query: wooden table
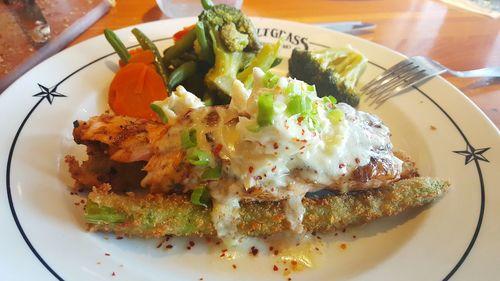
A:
456	38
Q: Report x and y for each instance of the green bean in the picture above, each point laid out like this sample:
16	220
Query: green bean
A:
181	73
276	61
207	4
147	44
180	47
117	45
207	53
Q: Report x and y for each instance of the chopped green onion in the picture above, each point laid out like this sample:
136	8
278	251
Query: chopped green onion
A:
311	88
200	197
198	157
266	109
298	104
212	173
331	99
293	88
188	139
336	116
159	111
270	80
254	128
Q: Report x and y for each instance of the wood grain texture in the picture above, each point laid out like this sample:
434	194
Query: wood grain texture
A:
458	39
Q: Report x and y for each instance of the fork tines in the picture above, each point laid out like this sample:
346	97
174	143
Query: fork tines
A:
394	80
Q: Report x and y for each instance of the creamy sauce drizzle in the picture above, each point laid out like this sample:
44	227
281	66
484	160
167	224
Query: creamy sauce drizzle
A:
283	160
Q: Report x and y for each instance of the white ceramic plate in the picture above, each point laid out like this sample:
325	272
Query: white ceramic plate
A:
43	236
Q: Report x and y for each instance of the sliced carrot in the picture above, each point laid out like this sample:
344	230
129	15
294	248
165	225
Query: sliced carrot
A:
181	33
139	55
134	87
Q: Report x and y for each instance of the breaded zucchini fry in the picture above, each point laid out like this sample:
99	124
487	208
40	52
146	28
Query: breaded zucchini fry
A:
155	215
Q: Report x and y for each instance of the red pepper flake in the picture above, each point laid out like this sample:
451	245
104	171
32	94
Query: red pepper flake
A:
223	253
254	251
343	246
167	238
303	141
343	230
341	165
217	243
357	160
77	204
107	254
286	147
289	279
316	248
302	147
275	268
250	169
191	243
273	169
318	237
169	246
271	249
119	237
234	266
354	236
302	132
217	149
276	145
113	274
258	178
299	120
276	252
188	247
159	245
294	262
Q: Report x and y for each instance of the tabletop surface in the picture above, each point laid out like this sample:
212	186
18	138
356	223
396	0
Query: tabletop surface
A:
458	39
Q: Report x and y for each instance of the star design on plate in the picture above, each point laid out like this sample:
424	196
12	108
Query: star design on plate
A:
48	93
473	154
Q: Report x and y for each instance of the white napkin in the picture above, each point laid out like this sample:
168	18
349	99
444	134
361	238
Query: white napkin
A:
474	7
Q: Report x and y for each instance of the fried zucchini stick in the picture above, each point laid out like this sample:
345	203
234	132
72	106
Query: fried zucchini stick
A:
155	215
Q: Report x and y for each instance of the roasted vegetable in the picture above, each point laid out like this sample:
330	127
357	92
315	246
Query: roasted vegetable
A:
235	45
333	71
155	215
237	31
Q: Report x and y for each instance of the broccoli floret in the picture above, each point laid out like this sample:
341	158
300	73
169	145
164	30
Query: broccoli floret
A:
333	71
235	46
221	17
221	76
234	40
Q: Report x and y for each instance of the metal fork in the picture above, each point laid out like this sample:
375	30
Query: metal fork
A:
412	71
